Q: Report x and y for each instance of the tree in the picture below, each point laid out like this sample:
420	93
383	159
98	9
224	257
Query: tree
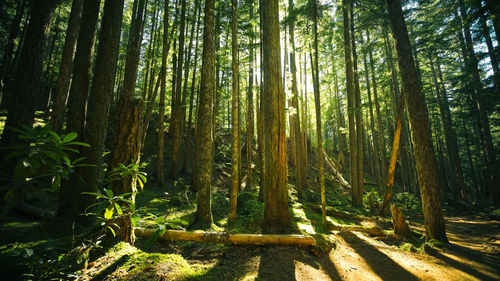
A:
127	136
276	214
175	123
417	112
236	150
161	106
71	202
295	104
317	104
82	68
353	159
65	69
204	121
28	75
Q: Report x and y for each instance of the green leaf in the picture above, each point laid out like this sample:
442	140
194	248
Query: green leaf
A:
118	209
112	230
55	136
79	143
109	192
69	137
108	213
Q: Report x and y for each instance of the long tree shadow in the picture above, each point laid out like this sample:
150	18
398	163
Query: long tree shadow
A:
378	261
468	254
279	263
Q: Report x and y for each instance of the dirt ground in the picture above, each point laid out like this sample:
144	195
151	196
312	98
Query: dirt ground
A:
473	255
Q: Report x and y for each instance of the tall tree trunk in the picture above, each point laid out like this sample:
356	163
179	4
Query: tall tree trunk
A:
64	80
260	117
187	154
161	110
358	111
187	65
82	69
375	134
74	203
204	121
128	135
27	77
353	159
250	112
175	121
317	103
235	103
295	103
276	214
417	111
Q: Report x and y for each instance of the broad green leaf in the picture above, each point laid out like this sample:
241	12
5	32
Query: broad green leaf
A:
109	192
108	213
118	209
69	137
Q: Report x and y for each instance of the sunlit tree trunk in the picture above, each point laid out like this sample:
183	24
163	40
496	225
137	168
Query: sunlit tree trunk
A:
353	159
358	112
317	103
204	121
417	111
276	214
235	102
250	114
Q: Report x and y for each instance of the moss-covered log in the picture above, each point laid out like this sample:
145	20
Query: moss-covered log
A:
229	239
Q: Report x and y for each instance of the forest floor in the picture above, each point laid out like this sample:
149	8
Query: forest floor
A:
52	248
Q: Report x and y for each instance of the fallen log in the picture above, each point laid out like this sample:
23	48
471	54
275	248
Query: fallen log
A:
337	175
228	239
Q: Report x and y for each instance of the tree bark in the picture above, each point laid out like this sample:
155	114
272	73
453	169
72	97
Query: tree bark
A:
353	159
187	155
161	106
235	103
74	203
77	100
317	103
417	111
205	127
276	214
295	103
250	110
358	111
65	69
229	239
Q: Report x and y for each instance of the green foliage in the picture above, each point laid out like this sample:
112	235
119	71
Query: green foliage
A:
42	161
410	202
132	170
